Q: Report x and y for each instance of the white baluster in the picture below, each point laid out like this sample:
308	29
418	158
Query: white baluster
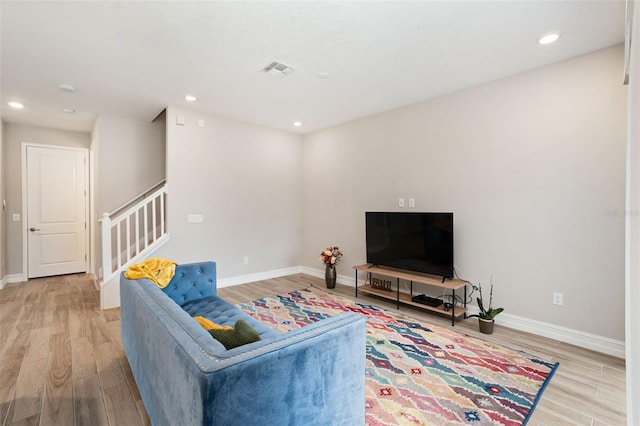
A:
106	245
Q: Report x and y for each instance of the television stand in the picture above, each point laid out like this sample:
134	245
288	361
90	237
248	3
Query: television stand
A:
412	277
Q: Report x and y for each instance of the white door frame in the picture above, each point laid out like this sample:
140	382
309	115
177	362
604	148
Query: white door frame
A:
92	209
24	219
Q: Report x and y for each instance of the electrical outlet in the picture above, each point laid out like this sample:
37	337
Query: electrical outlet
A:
246	260
412	202
557	298
400	202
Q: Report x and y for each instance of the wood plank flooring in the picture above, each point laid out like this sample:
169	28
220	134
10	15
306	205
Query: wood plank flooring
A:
62	361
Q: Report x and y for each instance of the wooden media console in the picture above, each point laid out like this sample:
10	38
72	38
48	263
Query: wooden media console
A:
431	280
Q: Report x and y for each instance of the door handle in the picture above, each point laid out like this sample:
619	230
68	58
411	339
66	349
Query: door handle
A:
32	229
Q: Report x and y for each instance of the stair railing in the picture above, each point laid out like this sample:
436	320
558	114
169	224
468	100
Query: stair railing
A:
137	229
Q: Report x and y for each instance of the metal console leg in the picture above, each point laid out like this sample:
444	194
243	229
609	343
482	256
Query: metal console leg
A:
465	300
356	283
453	308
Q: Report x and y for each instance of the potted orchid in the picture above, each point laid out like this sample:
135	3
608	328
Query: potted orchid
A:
330	257
487	312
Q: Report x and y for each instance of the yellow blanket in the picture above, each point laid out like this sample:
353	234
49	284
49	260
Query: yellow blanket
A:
158	270
207	324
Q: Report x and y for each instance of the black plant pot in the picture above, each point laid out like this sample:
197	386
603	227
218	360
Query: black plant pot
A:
330	276
486	326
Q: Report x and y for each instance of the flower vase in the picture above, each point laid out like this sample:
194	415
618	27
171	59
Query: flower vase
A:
330	276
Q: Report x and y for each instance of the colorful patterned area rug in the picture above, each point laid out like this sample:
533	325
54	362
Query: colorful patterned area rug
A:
420	374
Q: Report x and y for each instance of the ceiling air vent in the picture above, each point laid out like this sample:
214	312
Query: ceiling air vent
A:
278	69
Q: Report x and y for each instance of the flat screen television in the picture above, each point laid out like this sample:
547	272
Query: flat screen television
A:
418	242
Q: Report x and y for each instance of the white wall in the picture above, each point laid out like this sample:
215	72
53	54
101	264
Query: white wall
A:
14	135
245	181
533	167
129	158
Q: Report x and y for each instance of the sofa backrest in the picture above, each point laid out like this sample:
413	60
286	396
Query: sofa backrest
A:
192	281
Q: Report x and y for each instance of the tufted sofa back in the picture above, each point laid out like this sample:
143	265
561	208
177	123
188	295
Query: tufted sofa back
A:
192	281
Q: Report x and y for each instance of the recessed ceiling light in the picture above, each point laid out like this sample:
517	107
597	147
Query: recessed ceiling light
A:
16	105
548	38
323	75
297	123
69	110
66	87
190	98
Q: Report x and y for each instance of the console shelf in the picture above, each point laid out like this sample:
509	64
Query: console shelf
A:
398	274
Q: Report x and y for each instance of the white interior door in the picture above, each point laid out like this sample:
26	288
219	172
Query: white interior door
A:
56	211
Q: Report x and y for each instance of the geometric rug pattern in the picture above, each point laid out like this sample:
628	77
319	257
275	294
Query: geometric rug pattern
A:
421	374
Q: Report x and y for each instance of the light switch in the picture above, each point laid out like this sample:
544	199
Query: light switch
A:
180	120
412	202
400	202
195	218
16	217
200	122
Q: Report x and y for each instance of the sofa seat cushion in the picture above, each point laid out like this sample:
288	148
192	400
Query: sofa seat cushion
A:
223	313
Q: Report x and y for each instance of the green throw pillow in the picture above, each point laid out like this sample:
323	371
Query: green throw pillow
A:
241	334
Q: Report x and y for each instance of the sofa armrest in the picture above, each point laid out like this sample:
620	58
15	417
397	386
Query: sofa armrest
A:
314	375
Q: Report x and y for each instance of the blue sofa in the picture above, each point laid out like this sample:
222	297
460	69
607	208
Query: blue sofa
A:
314	375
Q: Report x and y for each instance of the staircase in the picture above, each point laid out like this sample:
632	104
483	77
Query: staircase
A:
130	233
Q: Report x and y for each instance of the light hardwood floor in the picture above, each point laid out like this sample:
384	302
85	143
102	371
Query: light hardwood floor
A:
62	361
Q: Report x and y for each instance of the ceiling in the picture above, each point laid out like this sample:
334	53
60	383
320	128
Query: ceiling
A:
351	59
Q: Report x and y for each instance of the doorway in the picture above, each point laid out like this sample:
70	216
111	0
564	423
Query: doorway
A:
55	209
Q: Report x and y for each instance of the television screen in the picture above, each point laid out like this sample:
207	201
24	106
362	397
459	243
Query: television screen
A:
419	242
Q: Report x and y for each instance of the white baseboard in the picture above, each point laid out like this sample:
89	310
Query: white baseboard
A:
340	279
243	279
14	278
563	334
96	282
